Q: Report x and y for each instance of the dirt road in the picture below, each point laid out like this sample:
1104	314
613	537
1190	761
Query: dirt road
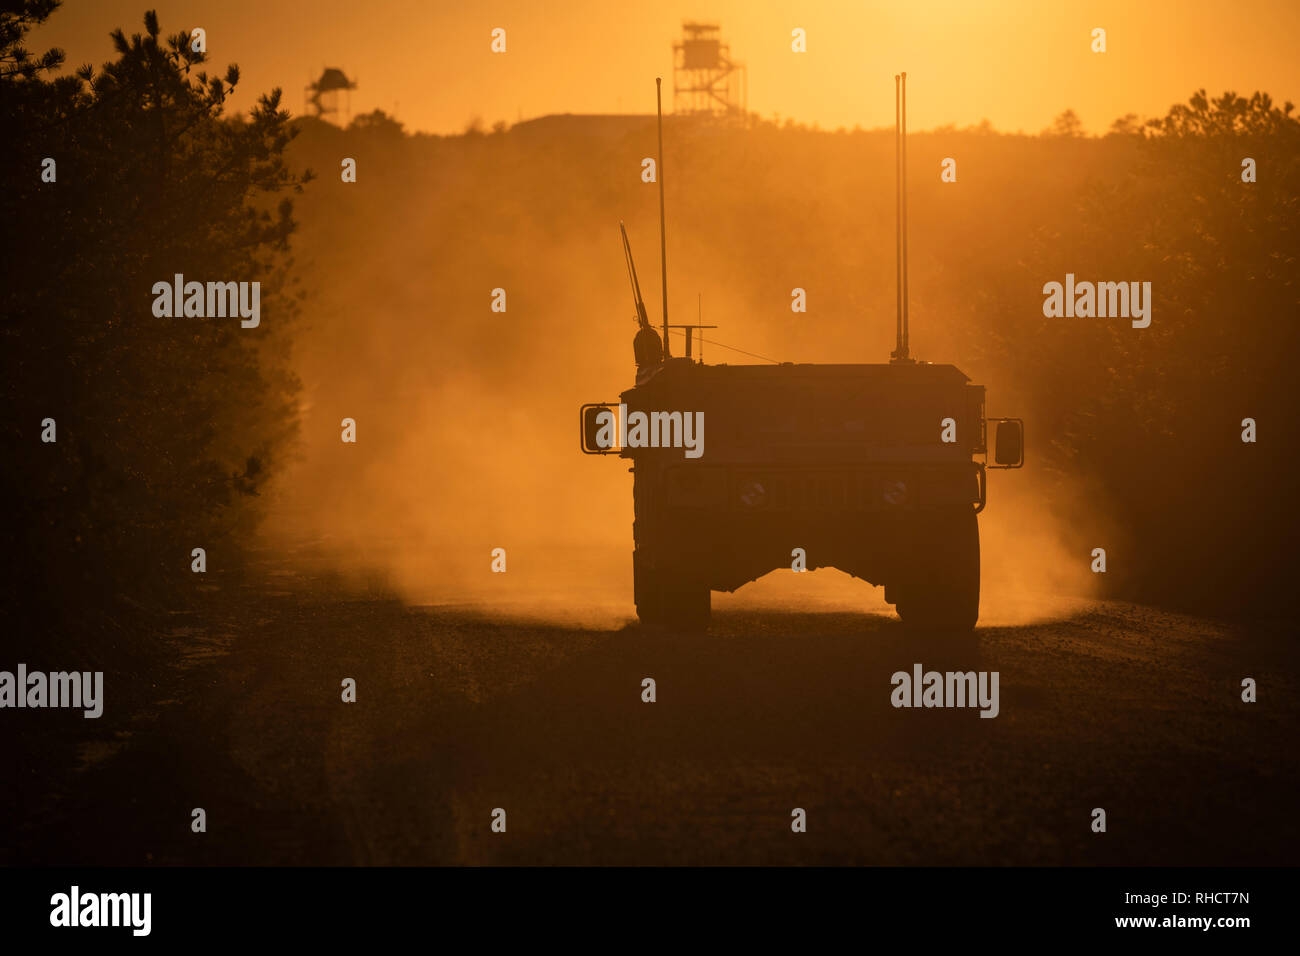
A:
458	713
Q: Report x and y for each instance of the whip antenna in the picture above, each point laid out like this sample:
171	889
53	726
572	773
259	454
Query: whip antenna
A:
900	178
663	235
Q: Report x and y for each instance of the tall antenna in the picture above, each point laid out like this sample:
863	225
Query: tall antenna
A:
663	235
900	177
902	140
898	225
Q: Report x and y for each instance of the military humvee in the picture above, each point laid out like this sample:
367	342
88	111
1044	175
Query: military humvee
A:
878	470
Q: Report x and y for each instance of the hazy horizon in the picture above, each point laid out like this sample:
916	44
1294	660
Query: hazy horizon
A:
580	57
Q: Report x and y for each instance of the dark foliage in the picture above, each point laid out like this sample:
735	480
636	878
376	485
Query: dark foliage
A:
1154	416
166	427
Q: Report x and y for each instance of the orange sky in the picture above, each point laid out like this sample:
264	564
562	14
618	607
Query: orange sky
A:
1017	62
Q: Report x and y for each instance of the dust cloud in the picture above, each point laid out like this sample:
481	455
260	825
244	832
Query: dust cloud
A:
467	418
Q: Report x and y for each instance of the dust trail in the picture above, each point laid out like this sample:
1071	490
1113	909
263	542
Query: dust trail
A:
466	417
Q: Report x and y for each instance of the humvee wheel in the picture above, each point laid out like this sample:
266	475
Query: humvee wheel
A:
941	590
669	599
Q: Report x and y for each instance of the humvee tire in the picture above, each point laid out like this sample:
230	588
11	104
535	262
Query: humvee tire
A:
669	598
941	588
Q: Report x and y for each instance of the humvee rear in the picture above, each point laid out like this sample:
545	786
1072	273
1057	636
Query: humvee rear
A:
877	470
866	468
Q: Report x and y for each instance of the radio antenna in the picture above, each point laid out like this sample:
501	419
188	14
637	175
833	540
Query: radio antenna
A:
641	318
902	140
900	178
663	234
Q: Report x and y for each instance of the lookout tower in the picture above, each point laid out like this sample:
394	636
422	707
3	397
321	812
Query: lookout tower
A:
706	81
323	96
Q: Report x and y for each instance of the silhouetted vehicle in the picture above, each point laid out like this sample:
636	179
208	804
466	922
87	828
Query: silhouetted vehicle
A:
878	470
